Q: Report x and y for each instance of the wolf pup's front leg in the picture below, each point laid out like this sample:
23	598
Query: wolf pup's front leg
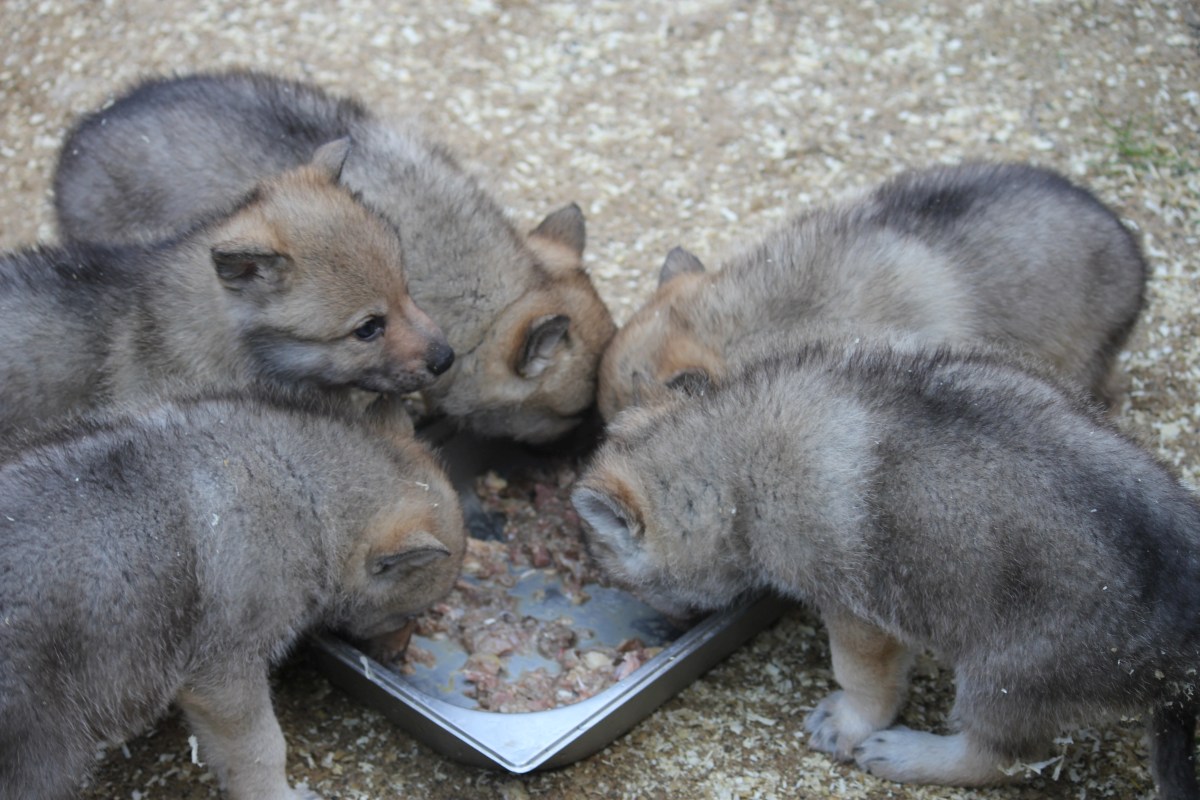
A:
872	669
239	736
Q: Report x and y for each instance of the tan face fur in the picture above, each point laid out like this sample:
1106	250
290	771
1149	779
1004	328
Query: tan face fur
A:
410	555
625	540
659	352
315	283
634	537
536	367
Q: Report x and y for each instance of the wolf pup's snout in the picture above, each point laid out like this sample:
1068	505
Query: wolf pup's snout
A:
436	354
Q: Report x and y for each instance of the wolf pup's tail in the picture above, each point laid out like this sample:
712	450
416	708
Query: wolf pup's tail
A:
1172	732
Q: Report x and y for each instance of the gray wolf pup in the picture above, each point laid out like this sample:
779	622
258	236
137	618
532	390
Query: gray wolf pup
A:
922	499
520	312
175	554
1008	254
297	284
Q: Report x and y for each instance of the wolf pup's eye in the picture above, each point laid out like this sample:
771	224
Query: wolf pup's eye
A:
371	329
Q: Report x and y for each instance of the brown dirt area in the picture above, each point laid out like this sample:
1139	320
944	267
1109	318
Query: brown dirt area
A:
702	123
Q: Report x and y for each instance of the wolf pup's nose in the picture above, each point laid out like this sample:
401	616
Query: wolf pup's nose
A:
439	357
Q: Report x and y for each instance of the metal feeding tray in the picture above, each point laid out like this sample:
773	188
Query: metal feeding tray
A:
430	706
433	702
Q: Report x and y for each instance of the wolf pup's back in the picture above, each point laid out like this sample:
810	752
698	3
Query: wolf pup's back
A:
1048	267
174	553
520	311
1004	254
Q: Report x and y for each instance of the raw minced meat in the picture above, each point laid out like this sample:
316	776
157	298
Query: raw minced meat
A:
541	532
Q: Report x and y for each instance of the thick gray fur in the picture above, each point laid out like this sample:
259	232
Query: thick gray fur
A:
271	290
174	554
520	312
1008	254
923	499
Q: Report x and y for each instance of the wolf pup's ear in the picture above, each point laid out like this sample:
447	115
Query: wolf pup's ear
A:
559	240
238	265
678	262
542	339
331	157
418	549
609	517
564	227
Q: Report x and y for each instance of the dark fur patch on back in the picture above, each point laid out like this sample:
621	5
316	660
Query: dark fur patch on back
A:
936	199
923	204
99	267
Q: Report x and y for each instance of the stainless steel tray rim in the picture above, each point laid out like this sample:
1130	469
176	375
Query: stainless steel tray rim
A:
498	735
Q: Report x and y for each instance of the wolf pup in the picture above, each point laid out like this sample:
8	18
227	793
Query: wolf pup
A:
520	312
923	499
299	285
227	527
1005	253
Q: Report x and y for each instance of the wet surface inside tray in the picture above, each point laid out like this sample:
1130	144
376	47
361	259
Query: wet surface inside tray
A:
612	634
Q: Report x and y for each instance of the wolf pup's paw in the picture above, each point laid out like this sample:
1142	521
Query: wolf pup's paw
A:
486	525
836	727
907	756
898	754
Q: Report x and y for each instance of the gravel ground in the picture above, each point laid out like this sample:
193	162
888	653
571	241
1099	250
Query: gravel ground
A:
702	123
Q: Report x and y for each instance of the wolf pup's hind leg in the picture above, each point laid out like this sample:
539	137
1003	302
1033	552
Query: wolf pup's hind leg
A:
1172	732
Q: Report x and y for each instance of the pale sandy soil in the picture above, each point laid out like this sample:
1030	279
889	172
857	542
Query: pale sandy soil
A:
700	123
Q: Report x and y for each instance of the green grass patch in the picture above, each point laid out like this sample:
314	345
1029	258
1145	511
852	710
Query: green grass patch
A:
1134	144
